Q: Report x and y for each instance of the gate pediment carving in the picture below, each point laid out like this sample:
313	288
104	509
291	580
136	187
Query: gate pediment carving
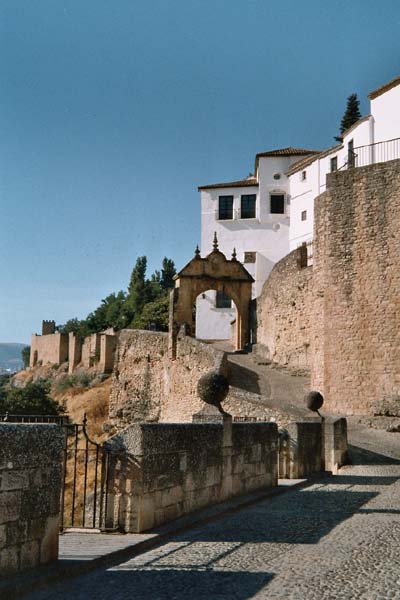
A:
214	272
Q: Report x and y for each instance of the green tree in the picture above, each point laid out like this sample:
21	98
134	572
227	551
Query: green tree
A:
154	315
26	354
33	399
79	327
138	290
351	115
110	313
168	272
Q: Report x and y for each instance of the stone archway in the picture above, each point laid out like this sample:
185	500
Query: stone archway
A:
214	272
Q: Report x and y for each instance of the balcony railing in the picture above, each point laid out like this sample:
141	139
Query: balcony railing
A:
362	156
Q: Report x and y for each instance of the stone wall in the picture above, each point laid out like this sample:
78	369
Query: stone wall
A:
96	350
341	317
160	472
301	449
30	485
356	328
91	350
284	313
335	441
51	348
148	386
108	345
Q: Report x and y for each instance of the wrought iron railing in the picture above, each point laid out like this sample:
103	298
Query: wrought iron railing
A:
375	153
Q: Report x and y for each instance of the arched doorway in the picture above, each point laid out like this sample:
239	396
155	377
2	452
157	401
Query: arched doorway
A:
214	272
214	312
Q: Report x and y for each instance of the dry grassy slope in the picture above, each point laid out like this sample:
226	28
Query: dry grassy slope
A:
92	400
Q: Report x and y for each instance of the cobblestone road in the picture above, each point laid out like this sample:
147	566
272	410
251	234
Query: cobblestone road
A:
338	538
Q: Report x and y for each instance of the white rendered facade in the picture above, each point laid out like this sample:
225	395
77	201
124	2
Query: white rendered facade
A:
260	239
374	138
299	176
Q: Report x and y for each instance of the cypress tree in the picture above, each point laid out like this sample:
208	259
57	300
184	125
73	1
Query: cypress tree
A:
351	115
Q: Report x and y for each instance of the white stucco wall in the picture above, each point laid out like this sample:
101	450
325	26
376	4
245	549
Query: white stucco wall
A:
386	112
304	192
213	323
267	235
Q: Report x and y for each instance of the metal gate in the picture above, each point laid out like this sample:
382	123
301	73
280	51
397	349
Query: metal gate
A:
86	469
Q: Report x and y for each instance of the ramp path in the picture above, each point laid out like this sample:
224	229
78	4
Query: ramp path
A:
336	538
278	389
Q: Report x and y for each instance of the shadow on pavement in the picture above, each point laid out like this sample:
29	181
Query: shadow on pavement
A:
362	456
162	584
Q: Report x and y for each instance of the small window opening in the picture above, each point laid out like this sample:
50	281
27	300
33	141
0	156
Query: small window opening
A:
248	206
222	300
225	208
277	204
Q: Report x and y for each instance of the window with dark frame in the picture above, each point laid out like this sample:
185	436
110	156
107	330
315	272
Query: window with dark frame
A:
304	215
277	204
225	208
303	175
333	164
248	206
222	300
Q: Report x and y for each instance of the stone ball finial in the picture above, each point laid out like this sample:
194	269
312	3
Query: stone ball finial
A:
213	388
314	400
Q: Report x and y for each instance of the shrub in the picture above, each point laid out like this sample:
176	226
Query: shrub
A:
33	399
77	380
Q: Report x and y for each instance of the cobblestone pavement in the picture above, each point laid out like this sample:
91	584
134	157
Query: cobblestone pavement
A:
337	538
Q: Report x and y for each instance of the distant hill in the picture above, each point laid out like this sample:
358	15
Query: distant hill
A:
10	356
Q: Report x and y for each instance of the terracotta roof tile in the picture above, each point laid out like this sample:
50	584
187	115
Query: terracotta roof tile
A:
308	160
290	151
250	181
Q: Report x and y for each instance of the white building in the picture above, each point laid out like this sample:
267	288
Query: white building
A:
271	213
374	138
252	217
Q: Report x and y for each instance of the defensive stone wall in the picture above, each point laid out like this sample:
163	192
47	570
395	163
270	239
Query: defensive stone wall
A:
356	326
341	317
159	472
91	350
284	313
50	348
148	386
96	350
30	485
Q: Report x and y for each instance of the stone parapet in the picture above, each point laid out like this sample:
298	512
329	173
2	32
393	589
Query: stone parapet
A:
31	458
162	471
301	449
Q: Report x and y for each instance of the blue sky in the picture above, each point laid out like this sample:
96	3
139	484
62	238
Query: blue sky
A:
111	114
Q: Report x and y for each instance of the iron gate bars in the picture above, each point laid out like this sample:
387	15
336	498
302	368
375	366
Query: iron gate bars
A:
86	474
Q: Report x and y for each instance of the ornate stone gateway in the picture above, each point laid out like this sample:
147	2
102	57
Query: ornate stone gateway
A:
214	272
